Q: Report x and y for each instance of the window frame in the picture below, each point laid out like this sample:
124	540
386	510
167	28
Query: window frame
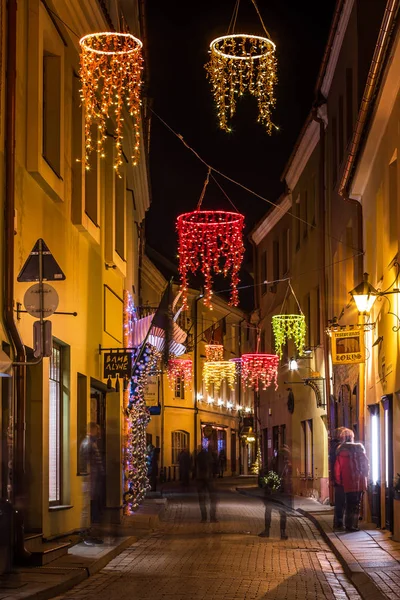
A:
60	422
177	448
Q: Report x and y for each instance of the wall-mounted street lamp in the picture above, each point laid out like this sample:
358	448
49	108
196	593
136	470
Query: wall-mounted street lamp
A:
293	366
364	295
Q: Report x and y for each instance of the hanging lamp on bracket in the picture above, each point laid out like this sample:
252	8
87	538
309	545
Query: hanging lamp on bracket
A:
241	63
111	72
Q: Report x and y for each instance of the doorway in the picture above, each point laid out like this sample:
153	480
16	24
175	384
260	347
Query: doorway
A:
98	416
387	403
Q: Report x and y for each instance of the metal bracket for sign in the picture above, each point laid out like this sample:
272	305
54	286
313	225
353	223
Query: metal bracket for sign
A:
318	387
115	349
19	311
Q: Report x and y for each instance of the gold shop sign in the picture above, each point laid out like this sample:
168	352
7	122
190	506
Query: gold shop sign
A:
348	346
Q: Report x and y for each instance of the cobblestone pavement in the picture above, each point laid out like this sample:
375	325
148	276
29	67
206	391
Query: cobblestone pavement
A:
188	560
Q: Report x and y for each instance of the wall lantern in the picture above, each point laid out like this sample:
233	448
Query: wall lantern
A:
364	295
293	366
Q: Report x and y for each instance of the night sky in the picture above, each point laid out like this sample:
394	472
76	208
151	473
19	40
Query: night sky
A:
179	34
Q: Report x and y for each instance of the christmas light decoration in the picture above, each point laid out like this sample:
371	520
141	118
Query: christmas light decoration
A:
260	369
110	70
238	365
215	372
182	368
242	63
210	242
214	352
286	327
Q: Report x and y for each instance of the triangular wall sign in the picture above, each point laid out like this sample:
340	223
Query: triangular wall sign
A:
51	269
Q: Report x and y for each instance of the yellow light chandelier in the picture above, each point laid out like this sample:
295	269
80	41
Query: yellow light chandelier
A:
111	71
240	63
215	372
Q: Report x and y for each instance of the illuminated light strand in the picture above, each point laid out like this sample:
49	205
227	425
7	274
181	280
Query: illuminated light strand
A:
259	369
180	368
215	372
238	365
214	352
286	327
111	67
210	242
241	63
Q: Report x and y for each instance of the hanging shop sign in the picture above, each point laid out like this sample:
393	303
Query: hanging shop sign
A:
117	363
151	391
348	346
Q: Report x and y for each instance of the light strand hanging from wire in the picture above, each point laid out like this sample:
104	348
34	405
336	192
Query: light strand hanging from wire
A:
216	371
111	72
259	369
180	369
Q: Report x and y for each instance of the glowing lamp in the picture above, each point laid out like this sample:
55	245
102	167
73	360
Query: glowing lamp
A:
259	369
110	71
293	366
210	242
241	63
364	295
286	327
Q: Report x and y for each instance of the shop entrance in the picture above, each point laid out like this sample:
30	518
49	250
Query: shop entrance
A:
387	403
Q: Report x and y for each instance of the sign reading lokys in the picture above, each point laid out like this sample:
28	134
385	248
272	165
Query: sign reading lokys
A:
41	300
117	363
348	346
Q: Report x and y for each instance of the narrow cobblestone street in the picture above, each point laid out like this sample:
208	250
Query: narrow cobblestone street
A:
189	560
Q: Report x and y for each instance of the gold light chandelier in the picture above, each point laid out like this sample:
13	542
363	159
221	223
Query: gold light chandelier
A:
110	69
240	63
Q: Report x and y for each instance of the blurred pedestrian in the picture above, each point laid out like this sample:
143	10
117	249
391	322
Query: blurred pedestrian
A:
215	463
221	463
185	463
351	471
205	485
338	490
91	464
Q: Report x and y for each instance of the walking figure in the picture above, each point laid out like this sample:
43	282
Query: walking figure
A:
221	463
205	485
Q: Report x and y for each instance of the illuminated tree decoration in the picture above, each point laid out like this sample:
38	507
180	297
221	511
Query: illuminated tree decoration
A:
215	372
289	327
212	242
259	369
214	352
182	368
241	63
111	70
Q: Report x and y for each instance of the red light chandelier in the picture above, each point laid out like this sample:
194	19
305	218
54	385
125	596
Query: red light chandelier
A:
182	368
259	369
210	241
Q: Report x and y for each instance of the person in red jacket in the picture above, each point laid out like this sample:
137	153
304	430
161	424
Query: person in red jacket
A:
351	471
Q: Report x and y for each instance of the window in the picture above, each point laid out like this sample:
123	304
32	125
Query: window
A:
179	390
179	441
307	450
307	304
55	424
81	418
51	135
275	440
334	151
285	251
283	435
297	224
276	260
264	271
92	186
349	104
341	130
120	217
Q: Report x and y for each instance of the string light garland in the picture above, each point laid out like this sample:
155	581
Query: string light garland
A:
111	71
286	327
242	63
214	352
259	369
210	242
215	372
180	368
238	365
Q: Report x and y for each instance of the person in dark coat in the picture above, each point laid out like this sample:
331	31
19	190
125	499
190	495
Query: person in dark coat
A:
338	490
221	463
91	462
205	485
351	471
185	463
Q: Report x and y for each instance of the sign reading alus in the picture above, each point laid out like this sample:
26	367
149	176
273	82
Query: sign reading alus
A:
348	346
117	363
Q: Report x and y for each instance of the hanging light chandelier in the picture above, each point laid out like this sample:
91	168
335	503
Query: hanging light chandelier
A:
180	368
215	372
240	63
286	327
110	70
210	241
214	352
259	369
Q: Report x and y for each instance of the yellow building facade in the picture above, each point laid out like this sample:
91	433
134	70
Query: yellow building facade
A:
87	221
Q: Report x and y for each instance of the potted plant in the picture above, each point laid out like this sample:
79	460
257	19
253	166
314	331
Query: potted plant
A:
396	487
271	482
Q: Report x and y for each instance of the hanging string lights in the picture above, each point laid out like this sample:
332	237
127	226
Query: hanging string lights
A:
240	63
286	327
110	70
259	369
215	372
210	241
180	368
214	352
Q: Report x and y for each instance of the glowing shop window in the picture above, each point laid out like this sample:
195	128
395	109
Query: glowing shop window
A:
387	448
375	449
